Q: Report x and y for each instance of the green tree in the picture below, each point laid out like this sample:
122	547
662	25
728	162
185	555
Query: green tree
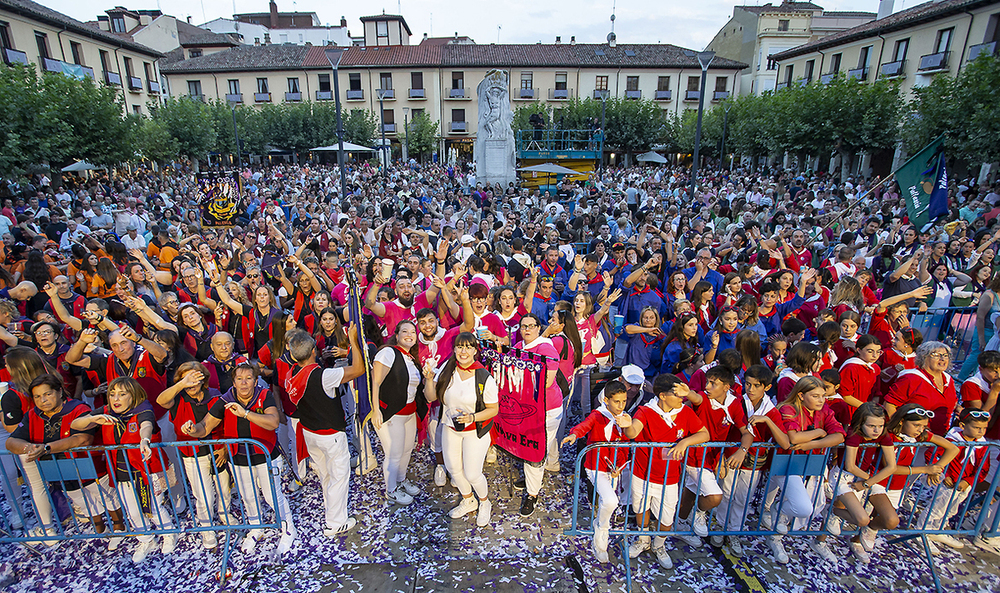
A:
523	114
192	126
422	136
360	126
152	140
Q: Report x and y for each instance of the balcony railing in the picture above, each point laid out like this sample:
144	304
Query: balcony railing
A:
389	128
664	95
892	69
458	127
559	94
720	95
526	94
234	97
636	94
357	95
12	56
938	61
77	71
385	94
692	95
782	85
113	78
983	49
197	98
51	65
828	77
602	94
324	95
153	87
262	97
418	94
291	97
134	83
462	93
858	73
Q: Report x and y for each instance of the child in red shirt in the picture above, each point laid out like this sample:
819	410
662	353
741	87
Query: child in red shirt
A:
859	374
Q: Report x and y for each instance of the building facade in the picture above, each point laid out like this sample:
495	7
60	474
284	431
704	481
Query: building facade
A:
298	28
755	32
33	34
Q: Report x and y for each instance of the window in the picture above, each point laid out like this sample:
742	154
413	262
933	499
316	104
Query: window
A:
194	88
416	80
783	25
118	24
943	42
324	83
721	83
458	80
77	52
5	36
382	28
293	85
458	115
388	116
354	80
631	83
104	60
561	81
601	83
526	80
262	85
42	41
234	87
992	29
385	81
194	53
136	109
283	38
694	83
789	69
663	83
148	69
810	70
899	53
835	63
128	67
416	112
865	59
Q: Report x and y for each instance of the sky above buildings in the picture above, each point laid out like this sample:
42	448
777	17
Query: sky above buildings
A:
687	23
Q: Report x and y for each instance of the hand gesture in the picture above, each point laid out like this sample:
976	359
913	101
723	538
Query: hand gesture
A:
188	427
608	279
51	290
615	295
294	260
137	254
715	340
437	281
922	291
376	417
33	451
676	453
623	421
237	410
193	379
570	439
429	369
682	391
459	270
578	263
128	333
145	449
88	336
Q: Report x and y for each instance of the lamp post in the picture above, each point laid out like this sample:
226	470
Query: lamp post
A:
381	149
406	135
236	134
333	56
604	102
704	59
725	128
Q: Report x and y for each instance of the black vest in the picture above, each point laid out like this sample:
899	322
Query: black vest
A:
482	428
392	393
316	410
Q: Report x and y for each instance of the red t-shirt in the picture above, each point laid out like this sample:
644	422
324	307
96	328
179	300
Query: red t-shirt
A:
858	380
916	387
869	459
721	423
805	420
656	430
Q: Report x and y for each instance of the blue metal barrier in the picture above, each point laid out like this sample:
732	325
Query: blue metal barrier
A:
969	514
955	326
86	477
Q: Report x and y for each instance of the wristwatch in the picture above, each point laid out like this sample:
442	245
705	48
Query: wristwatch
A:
47	448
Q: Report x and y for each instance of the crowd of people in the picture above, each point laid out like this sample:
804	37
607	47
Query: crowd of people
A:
767	308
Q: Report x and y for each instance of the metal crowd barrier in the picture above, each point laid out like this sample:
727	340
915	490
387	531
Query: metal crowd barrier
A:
955	326
156	513
968	515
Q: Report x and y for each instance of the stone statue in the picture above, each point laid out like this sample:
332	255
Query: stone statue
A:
495	144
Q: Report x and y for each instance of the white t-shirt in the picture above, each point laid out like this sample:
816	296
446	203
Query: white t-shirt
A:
461	396
387	356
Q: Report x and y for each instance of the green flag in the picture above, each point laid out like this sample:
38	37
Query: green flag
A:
924	182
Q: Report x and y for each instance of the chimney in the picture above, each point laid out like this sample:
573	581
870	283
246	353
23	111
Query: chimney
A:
425	36
456	34
884	8
558	39
274	14
267	38
572	40
189	19
343	22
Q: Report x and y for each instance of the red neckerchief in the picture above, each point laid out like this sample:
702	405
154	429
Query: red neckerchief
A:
545	266
405	352
636	291
596	279
472	367
648	342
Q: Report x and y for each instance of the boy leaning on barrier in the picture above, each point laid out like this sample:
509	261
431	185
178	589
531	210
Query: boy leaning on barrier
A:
656	473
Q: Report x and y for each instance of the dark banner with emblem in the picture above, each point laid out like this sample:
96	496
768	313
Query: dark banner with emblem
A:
221	198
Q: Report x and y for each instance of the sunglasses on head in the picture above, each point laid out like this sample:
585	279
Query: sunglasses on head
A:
917	413
976	414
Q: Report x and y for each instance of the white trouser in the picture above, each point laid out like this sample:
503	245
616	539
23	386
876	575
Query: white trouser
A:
435	430
289	442
399	437
159	517
946	503
89	499
737	486
464	456
254	483
205	484
333	464
607	502
11	490
171	456
799	499
532	474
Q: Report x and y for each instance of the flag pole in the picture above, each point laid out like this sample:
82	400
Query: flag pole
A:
852	205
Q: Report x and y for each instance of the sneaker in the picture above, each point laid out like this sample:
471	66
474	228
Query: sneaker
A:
491	455
528	505
410	488
294	486
39	532
701	523
663	558
440	476
778	549
169	543
990	544
860	553
735	547
599	554
180	505
249	542
466	506
639	546
834	524
16	524
947	540
143	550
717	541
822	550
399	497
351	523
519	484
114	542
691	540
286	542
553	467
868	538
208	540
767	521
485	512
782	526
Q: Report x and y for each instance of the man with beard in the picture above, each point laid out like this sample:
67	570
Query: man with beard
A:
799	251
392	312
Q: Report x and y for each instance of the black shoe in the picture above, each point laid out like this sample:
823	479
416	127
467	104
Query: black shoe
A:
528	505
519	484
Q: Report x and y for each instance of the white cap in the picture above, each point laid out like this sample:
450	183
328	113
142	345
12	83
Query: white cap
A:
468	239
633	374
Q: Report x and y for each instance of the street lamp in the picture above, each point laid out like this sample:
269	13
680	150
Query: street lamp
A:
381	149
725	128
406	135
705	59
604	102
333	55
239	158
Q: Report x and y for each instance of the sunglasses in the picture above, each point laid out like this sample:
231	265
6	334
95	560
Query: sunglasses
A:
916	413
977	414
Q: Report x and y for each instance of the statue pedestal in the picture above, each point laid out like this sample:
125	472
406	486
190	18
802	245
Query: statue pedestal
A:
496	166
495	146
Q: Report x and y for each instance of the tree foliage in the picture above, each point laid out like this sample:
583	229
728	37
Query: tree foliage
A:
191	124
360	126
629	125
422	136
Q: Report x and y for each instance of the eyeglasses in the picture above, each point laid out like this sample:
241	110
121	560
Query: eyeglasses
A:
253	275
466	347
978	414
531	326
916	413
940	355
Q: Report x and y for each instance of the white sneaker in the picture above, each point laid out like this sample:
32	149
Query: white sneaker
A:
782	526
491	455
114	542
169	543
990	544
410	488
15	523
717	541
249	542
639	546
735	547
180	505
599	554
701	523
860	553
822	550
142	551
868	538
39	532
767	521
947	540
778	549
485	512
553	467
208	540
286	542
834	524
466	506
351	523
399	497
663	557
440	476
